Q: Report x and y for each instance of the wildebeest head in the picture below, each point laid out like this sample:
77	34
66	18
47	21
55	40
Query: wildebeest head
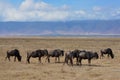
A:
19	58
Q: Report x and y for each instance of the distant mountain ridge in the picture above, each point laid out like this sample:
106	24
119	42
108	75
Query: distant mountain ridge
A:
85	27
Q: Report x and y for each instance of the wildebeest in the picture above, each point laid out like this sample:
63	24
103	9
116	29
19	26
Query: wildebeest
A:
69	57
38	53
75	54
107	51
87	55
14	53
55	53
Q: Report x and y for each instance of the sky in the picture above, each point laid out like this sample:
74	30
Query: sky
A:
59	10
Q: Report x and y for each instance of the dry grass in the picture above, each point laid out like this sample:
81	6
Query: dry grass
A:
101	69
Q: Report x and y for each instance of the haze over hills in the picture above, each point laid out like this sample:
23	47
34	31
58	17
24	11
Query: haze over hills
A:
83	27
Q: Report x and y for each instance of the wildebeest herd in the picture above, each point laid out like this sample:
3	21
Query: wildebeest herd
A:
69	55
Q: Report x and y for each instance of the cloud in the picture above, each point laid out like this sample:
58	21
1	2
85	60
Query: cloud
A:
31	5
4	7
34	11
116	13
29	10
80	12
96	8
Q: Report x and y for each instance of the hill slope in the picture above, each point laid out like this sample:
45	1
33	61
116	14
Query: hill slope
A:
61	28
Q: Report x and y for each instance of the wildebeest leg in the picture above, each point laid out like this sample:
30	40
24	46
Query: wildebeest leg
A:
66	61
6	58
9	58
71	61
108	55
55	59
101	56
28	60
39	59
14	58
80	60
77	61
58	59
89	62
28	57
48	59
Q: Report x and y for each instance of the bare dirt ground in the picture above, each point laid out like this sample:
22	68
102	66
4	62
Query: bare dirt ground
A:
101	69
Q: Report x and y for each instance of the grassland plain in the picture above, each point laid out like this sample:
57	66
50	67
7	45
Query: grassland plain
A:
101	69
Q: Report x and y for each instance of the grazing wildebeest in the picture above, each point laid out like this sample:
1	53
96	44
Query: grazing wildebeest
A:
87	55
38	53
14	53
69	56
107	51
55	53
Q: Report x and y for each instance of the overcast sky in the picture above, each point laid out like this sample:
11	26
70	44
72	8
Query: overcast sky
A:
58	10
